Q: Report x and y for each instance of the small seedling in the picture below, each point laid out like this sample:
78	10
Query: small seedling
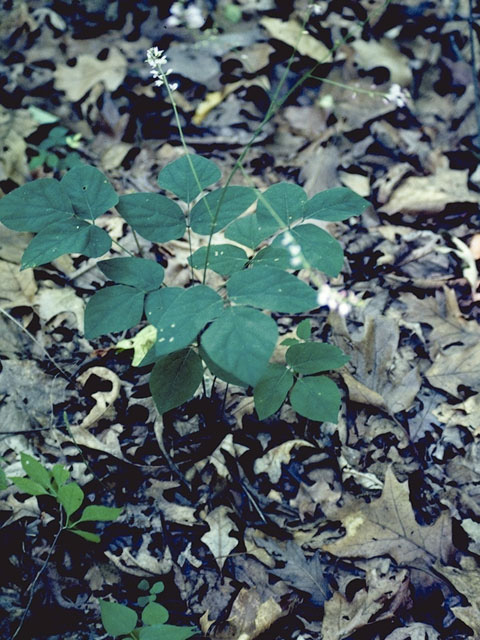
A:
55	483
121	621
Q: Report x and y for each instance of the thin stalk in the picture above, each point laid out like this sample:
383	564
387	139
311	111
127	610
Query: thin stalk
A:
15	322
37	577
140	252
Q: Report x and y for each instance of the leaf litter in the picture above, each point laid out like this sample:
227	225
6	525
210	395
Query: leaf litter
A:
286	528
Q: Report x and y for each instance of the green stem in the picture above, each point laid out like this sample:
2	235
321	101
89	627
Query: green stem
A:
123	248
140	252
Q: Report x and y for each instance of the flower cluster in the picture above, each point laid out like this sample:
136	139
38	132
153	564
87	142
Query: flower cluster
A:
294	249
397	95
156	59
191	16
341	301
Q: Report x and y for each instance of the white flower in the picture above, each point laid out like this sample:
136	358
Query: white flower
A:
156	59
397	95
340	301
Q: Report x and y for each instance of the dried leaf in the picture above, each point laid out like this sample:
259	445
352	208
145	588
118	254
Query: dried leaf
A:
430	194
271	462
300	572
383	595
218	539
292	34
78	80
383	53
388	526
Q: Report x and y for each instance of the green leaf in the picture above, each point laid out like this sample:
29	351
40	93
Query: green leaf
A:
286	200
167	632
35	205
313	357
153	216
220	207
60	474
180	314
112	309
94	513
70	497
217	371
335	204
175	378
143	585
89	191
71	235
271	288
272	389
273	257
142	601
304	329
86	535
157	587
29	486
179	178
224	259
141	273
117	619
319	248
289	341
36	471
317	398
247	231
241	342
154	613
3	480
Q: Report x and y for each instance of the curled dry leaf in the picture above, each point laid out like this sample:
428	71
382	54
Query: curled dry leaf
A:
104	399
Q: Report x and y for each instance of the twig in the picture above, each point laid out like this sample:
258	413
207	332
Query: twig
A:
12	319
37	577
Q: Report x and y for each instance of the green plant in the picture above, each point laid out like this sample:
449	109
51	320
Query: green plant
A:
55	483
120	620
226	330
57	148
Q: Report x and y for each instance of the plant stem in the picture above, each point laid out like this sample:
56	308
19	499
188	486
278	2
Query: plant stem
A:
37	577
12	319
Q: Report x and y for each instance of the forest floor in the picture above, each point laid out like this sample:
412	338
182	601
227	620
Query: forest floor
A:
283	529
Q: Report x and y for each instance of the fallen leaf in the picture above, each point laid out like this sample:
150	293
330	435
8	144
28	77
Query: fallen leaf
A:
291	32
381	598
17	287
382	373
104	399
414	631
388	526
52	301
383	53
78	80
218	539
427	195
271	462
467	582
300	572
250	616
